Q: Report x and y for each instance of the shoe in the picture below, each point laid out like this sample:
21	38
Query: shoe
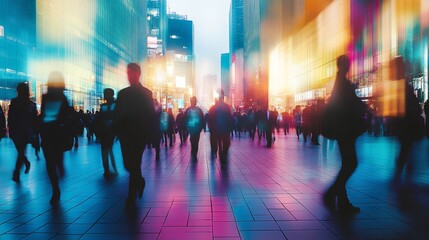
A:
16	178
27	167
55	199
345	207
130	205
107	174
329	201
141	187
348	209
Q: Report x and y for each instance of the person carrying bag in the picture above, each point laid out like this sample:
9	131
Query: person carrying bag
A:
344	120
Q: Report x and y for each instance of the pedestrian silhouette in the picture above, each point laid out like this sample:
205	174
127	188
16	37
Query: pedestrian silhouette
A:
22	118
211	126
297	120
252	122
77	124
105	132
306	121
410	126
134	123
56	130
222	126
157	134
426	111
349	112
194	123
2	124
181	126
271	126
167	126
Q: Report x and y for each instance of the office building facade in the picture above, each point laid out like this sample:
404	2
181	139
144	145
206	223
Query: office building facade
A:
180	65
85	41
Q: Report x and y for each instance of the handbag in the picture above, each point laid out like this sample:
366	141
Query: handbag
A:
329	122
337	122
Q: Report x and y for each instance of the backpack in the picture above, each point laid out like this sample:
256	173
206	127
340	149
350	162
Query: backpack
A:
163	122
193	120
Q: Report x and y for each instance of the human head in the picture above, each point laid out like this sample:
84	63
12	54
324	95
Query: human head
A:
343	64
193	101
23	90
108	94
56	82
133	72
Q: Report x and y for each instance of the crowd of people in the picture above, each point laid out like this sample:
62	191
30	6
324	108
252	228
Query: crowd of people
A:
139	122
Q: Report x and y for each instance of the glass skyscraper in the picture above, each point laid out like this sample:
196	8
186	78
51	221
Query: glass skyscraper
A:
157	27
17	43
90	42
180	60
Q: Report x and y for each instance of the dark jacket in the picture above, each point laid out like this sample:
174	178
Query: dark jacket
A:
104	121
194	120
350	110
410	126
22	117
134	114
55	116
222	118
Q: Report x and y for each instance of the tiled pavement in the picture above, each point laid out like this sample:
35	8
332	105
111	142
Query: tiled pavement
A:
261	194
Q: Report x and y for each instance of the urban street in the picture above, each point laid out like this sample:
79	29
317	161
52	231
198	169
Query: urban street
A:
260	193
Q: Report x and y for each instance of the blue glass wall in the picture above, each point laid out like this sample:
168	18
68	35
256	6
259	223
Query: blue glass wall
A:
90	42
17	41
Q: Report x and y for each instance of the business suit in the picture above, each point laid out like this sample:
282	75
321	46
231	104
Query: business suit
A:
134	123
271	123
54	114
222	124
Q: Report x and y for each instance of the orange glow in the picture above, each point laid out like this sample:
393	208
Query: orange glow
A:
303	62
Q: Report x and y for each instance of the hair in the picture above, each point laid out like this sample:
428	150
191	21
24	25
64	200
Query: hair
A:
108	93
23	90
134	67
56	81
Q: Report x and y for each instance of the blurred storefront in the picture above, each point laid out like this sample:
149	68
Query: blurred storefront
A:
302	66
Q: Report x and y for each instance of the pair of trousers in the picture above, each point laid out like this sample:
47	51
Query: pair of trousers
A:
348	166
21	159
195	138
223	143
54	160
132	153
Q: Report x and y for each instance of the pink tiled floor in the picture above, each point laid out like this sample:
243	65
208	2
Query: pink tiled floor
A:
261	194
